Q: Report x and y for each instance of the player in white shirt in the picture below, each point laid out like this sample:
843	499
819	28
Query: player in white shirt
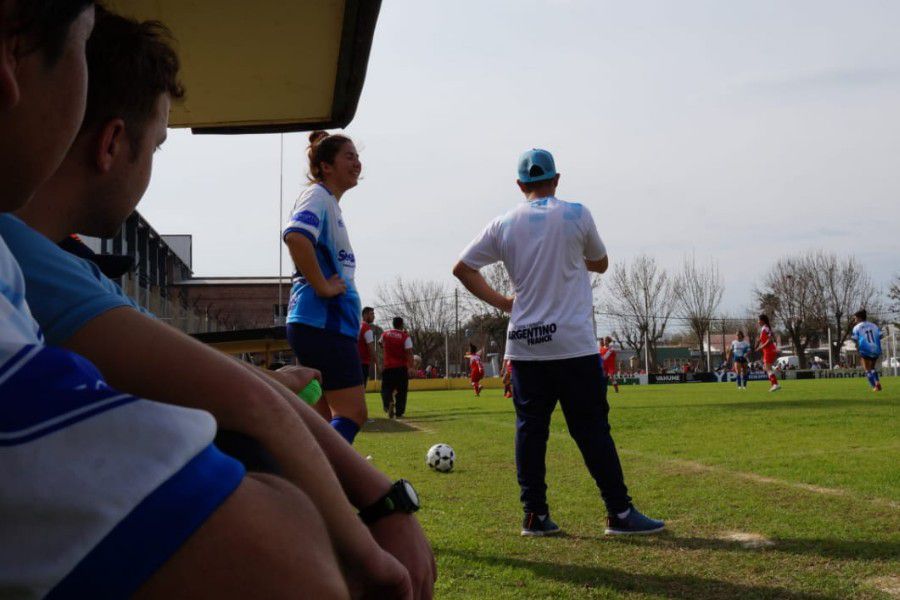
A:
548	246
739	355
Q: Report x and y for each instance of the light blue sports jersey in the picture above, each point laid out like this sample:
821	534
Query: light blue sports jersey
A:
317	215
868	339
740	349
64	291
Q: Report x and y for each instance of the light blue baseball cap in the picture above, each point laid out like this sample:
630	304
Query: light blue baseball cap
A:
536	165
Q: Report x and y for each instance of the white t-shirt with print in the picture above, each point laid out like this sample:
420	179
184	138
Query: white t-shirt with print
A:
543	245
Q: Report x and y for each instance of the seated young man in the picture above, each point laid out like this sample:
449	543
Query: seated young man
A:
112	495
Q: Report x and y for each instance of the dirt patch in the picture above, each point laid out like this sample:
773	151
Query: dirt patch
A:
747	540
890	585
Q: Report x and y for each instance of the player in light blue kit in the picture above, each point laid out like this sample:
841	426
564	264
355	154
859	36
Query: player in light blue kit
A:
740	352
324	309
868	340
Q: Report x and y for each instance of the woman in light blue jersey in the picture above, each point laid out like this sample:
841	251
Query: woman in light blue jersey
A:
868	342
324	308
740	350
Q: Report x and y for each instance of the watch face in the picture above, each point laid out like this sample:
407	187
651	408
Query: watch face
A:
411	492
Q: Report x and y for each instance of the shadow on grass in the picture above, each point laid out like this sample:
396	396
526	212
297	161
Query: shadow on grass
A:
841	549
381	425
770	404
458	414
668	586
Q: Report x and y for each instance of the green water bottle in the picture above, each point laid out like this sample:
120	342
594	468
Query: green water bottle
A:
311	393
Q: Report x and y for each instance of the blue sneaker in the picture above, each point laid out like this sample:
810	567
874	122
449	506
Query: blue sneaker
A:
634	523
535	525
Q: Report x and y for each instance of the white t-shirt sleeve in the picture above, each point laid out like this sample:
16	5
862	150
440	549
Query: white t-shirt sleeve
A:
369	337
407	344
484	249
594	249
308	215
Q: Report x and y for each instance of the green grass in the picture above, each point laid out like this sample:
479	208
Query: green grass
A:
813	469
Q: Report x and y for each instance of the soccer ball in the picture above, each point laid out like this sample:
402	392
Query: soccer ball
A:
440	457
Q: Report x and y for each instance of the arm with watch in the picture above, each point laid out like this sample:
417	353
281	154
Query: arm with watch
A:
385	508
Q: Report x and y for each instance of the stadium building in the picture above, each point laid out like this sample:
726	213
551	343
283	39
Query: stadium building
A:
162	281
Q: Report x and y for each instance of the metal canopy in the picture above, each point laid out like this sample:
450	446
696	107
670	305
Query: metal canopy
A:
266	66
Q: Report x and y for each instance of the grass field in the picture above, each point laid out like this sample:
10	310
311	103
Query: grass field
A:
789	495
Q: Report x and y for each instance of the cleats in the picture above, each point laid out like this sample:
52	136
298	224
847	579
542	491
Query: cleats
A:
775	387
634	523
877	387
535	525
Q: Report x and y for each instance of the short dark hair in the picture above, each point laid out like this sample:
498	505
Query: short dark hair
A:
861	315
398	322
47	22
367	309
130	63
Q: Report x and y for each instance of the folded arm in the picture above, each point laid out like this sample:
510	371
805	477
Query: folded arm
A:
148	358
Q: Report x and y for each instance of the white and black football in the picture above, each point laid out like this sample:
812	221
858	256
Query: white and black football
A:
440	457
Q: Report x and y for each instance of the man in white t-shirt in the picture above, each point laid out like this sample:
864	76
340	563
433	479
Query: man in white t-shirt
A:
548	246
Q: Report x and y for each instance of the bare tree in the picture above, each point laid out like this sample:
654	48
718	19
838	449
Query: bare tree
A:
894	296
427	311
490	322
640	299
788	294
698	294
750	326
841	286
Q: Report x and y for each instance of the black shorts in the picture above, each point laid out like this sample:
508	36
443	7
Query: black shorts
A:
740	360
335	355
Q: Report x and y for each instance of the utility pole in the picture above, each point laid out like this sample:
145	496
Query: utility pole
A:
447	354
456	335
646	353
894	346
830	357
708	349
723	340
282	318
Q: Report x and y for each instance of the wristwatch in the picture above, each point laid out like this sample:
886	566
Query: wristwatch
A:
402	497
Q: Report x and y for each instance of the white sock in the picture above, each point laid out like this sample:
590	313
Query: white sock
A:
622	515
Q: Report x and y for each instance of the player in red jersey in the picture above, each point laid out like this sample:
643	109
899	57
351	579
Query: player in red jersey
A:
507	379
608	359
476	369
769	350
366	342
397	368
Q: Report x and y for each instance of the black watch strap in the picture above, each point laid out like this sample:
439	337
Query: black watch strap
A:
398	499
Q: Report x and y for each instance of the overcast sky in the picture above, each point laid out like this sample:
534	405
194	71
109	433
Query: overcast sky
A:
739	131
